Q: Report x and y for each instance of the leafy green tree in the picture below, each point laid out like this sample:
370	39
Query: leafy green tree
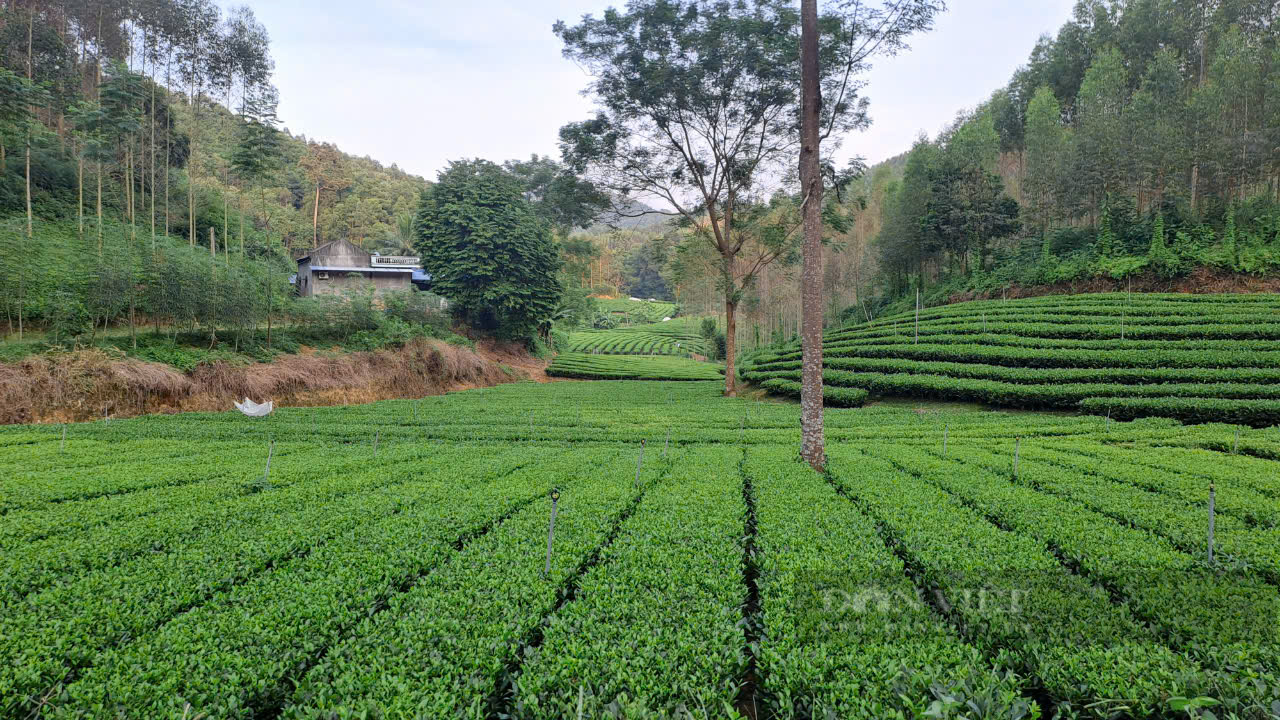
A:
1156	124
1046	147
565	200
259	150
1100	137
699	109
487	250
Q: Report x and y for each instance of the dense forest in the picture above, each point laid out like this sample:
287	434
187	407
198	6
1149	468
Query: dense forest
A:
1143	140
143	171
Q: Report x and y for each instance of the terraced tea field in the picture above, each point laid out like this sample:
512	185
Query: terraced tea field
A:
637	311
641	340
589	366
1195	357
394	563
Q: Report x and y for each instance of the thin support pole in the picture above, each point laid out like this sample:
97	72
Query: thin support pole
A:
917	337
667	443
63	443
945	428
1236	447
1212	498
271	446
551	531
1017	448
639	462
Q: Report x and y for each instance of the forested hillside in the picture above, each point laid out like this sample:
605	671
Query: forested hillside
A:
141	137
1142	142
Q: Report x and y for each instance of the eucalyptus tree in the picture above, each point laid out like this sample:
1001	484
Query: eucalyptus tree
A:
197	50
18	99
259	148
698	111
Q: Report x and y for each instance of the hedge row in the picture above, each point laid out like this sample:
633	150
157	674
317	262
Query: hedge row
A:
1031	376
846	635
846	397
627	367
1258	413
1016	599
1062	396
1212	617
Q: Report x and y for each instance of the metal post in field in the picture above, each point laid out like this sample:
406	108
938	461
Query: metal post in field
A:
271	446
945	428
917	336
551	531
1212	498
1236	447
1017	448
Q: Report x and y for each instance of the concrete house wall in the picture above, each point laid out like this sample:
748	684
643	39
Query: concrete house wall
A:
351	269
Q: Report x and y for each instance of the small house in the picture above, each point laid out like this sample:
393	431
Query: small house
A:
336	267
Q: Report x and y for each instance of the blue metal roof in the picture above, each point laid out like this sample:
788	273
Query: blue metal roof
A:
331	268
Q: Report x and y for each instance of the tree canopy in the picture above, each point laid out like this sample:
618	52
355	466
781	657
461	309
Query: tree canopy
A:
487	249
698	111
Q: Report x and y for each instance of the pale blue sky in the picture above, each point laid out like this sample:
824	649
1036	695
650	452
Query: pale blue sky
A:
421	83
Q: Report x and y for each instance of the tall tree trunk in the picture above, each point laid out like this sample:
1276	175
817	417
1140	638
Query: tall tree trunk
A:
730	347
191	160
99	209
80	191
315	220
168	138
812	442
31	15
1195	167
133	216
153	161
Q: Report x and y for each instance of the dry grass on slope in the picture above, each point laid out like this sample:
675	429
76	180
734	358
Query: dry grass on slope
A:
85	384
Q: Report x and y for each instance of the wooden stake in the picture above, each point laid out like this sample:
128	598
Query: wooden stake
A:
1212	498
551	531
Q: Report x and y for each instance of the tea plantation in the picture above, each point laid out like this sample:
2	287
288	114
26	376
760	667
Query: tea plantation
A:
1198	358
393	562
